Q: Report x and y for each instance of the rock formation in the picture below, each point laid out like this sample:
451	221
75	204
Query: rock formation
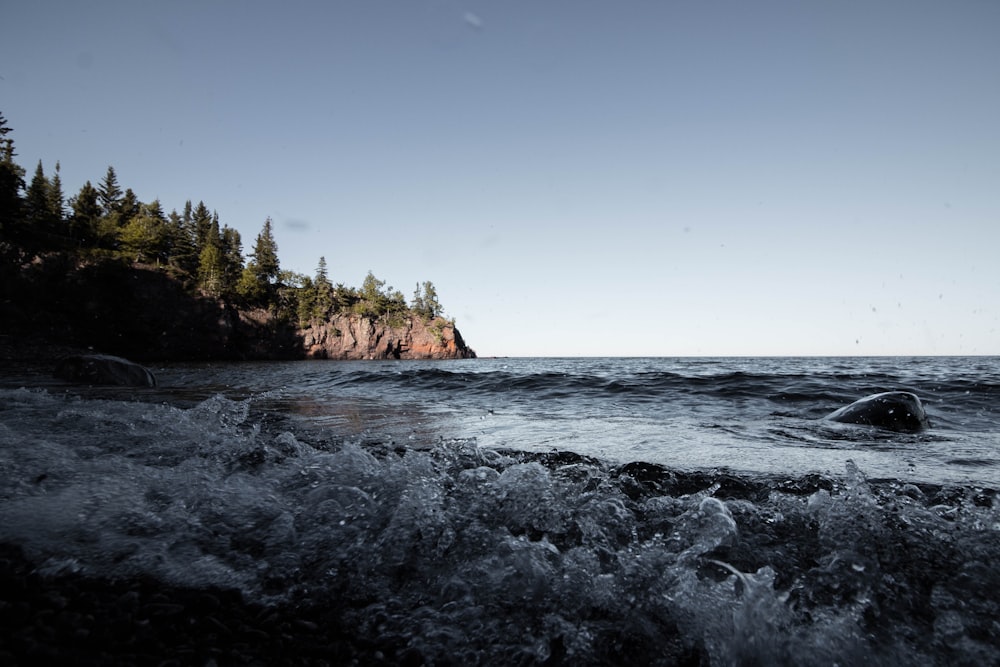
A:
143	313
354	337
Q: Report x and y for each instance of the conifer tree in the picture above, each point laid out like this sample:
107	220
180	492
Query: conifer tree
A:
85	216
128	208
36	202
145	237
322	292
11	182
211	263
306	310
183	253
56	198
109	194
232	258
257	282
201	219
265	255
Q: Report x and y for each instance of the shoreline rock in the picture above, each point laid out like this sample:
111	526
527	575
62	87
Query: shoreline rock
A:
104	369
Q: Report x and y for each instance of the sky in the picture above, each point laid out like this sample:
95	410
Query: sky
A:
577	178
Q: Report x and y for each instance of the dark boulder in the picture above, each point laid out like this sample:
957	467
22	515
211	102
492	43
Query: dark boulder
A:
104	369
898	411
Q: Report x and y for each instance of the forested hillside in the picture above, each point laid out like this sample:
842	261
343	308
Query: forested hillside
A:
74	266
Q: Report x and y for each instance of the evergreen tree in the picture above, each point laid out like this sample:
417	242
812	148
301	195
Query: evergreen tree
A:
432	307
85	216
322	290
36	203
232	258
211	263
257	284
145	237
11	182
265	255
201	220
109	194
183	254
128	208
56	199
307	302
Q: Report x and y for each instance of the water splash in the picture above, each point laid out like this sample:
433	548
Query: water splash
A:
454	550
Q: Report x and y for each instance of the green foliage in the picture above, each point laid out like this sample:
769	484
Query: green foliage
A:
259	281
265	255
425	301
145	237
211	269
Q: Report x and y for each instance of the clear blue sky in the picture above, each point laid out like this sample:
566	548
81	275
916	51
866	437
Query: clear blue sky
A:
575	177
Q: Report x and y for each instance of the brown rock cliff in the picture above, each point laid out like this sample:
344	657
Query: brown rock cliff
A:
354	337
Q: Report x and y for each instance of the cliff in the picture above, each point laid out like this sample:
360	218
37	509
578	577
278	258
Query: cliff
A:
144	314
354	337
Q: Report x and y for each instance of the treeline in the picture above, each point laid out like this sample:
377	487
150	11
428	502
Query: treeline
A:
107	223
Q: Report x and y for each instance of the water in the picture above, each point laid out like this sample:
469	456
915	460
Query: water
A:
537	511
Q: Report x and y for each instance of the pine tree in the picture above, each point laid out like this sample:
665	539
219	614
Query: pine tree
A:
183	254
36	203
322	290
306	310
85	216
425	301
232	258
145	236
11	182
211	263
201	220
56	199
265	256
109	194
257	284
128	207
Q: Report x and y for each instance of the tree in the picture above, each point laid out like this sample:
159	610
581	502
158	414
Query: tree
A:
232	258
257	284
36	202
56	199
145	237
371	288
11	181
180	236
109	194
306	310
201	222
265	255
322	292
128	207
86	213
425	301
211	263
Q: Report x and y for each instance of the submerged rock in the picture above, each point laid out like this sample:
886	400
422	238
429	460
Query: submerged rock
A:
898	411
104	369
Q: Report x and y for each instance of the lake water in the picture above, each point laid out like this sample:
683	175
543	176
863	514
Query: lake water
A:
537	511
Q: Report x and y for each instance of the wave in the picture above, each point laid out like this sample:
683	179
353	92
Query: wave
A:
443	551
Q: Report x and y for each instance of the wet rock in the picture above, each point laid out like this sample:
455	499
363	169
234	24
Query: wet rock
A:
104	369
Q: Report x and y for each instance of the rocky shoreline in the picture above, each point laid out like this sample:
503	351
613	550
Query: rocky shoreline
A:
143	314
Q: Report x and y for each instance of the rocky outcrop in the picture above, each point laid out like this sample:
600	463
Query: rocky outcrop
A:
146	314
355	337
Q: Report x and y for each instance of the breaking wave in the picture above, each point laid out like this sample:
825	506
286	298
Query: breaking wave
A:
443	551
